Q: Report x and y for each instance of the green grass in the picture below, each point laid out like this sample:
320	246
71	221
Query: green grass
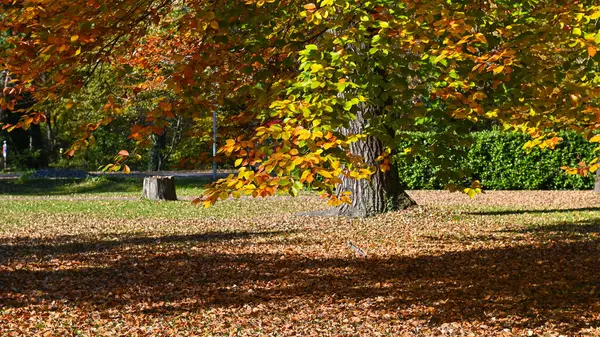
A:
135	209
24	201
107	186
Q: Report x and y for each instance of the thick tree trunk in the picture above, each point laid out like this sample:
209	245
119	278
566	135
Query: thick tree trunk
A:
382	193
597	184
159	188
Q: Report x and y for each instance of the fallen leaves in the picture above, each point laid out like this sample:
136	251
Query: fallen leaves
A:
501	264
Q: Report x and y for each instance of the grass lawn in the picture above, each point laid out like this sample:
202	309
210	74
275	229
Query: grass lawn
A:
101	186
88	258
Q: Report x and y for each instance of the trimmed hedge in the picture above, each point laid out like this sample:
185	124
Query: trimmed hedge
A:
498	160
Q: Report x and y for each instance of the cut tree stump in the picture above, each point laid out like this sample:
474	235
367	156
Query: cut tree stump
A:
159	188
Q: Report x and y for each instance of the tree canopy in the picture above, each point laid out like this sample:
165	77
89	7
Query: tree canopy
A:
304	86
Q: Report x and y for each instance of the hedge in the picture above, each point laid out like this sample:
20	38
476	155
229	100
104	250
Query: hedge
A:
498	160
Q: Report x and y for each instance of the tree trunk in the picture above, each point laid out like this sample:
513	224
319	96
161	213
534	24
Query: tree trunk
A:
159	188
382	193
159	143
597	184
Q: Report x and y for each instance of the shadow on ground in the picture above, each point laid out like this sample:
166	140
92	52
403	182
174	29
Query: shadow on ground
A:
556	282
589	226
75	244
534	211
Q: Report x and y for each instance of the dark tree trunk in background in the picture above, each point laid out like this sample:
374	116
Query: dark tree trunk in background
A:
382	193
159	144
50	144
26	148
597	184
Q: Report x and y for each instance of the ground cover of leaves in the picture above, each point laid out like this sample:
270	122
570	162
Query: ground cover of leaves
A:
502	264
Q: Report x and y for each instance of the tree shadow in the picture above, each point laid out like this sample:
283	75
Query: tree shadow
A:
534	211
530	284
76	244
588	226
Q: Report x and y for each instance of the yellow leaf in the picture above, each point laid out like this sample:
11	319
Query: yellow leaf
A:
481	38
498	70
239	161
78	52
126	169
595	139
74	38
304	134
316	68
305	174
472	192
439	58
325	173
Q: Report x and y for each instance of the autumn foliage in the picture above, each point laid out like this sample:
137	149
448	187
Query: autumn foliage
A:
291	75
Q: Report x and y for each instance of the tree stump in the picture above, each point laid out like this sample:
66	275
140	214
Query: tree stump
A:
159	188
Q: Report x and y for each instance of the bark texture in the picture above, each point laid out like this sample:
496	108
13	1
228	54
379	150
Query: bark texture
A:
159	188
597	184
382	193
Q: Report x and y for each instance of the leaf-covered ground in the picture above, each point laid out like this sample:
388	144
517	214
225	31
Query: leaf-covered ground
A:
505	264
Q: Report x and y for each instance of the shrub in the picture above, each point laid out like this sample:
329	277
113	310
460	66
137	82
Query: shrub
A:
498	160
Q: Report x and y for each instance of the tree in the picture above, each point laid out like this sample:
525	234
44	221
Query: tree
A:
328	88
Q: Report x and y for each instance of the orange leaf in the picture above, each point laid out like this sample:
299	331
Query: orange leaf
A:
123	153
310	7
592	51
